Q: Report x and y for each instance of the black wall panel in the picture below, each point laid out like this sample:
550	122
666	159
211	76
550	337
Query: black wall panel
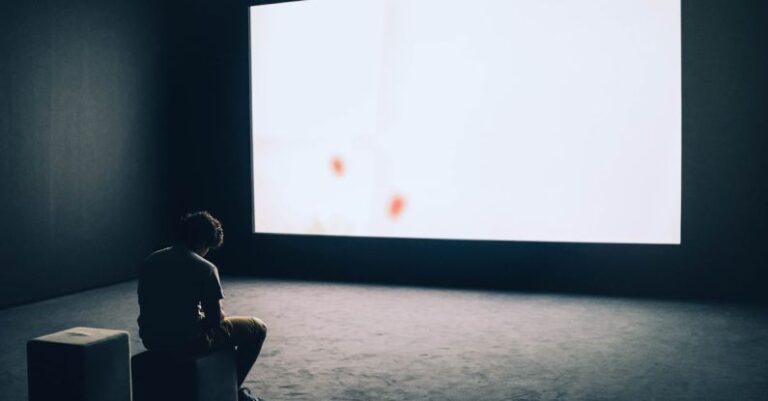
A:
82	143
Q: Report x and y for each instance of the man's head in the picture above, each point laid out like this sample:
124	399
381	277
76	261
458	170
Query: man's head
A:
200	232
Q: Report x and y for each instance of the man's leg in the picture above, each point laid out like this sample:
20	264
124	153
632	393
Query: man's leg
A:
248	335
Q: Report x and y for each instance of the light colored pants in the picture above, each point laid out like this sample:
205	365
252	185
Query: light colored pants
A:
245	334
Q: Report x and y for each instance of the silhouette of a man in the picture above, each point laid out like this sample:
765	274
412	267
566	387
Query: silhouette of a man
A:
180	300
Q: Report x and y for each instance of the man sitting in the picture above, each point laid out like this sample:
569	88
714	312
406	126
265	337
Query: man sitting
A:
180	300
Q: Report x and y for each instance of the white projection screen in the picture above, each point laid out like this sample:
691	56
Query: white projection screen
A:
524	120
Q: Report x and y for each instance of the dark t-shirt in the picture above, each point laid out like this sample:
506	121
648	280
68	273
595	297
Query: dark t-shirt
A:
173	282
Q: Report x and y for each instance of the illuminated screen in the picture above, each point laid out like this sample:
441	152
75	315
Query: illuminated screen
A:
525	120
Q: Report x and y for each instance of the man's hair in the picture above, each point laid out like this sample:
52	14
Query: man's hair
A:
200	230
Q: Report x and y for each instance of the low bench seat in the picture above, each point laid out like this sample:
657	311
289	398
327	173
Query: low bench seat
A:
170	375
79	364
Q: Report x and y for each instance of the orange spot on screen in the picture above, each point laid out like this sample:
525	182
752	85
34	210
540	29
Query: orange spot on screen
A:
337	166
396	206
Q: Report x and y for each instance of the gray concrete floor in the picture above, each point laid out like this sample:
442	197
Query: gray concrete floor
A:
358	342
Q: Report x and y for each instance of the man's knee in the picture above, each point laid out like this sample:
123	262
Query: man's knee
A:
246	330
258	328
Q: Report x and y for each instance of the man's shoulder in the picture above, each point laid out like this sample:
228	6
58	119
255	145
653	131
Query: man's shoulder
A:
174	255
159	253
202	262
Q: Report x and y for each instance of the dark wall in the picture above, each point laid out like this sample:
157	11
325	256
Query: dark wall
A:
725	192
209	114
82	142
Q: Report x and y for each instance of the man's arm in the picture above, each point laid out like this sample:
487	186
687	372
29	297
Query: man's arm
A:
214	313
211	299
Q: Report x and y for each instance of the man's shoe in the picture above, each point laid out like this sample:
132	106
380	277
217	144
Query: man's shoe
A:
245	395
